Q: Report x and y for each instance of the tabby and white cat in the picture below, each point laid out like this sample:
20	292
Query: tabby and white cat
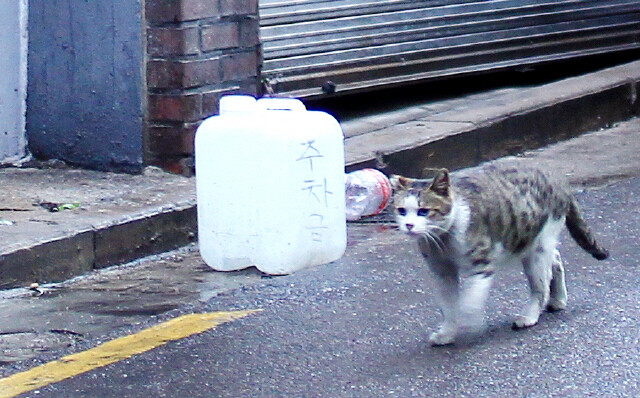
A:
470	224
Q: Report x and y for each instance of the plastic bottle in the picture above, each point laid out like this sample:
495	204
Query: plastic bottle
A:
367	193
270	186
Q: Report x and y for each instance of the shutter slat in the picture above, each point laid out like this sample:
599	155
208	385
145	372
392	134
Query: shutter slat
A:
306	41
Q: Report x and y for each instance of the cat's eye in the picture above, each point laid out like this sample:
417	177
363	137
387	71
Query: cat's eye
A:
422	212
402	211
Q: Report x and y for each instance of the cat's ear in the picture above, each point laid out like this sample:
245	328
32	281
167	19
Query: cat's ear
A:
441	184
399	183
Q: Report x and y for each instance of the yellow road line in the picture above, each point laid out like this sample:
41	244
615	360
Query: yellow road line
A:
114	351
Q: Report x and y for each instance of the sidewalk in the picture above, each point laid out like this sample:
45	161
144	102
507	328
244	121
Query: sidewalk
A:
105	219
111	219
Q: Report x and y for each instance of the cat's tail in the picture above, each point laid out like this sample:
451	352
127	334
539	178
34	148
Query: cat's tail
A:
580	232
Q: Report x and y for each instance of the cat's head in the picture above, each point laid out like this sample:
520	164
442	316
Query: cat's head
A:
423	206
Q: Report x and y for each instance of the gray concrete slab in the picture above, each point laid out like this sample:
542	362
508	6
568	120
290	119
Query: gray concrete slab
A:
466	131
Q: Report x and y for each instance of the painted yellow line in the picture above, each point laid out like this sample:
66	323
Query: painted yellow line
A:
114	351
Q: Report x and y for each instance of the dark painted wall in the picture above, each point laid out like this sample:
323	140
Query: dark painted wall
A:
84	96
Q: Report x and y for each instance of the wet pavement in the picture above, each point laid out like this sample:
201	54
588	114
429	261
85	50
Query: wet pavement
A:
55	316
62	316
359	327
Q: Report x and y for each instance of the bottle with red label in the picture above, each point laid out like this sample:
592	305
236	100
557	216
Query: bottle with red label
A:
367	193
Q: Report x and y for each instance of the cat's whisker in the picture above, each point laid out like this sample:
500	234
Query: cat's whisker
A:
439	228
437	242
441	244
436	236
429	240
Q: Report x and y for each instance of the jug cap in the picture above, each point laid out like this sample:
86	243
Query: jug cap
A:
237	103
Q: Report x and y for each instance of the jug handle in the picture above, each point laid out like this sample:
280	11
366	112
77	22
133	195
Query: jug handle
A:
281	104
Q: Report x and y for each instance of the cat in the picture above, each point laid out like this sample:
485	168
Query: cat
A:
469	224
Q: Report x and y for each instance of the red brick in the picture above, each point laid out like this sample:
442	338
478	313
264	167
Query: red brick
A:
172	41
210	103
180	10
162	74
175	107
238	7
240	65
249	32
171	140
162	10
201	72
199	9
250	86
221	35
183	73
180	164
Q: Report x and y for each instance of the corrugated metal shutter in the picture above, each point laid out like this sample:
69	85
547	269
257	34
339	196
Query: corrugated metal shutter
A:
356	44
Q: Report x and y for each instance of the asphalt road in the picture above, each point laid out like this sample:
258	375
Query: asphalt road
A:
359	327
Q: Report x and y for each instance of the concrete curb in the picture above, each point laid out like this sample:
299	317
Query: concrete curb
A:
87	249
525	119
406	143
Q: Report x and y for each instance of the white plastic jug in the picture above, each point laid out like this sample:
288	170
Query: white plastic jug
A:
270	186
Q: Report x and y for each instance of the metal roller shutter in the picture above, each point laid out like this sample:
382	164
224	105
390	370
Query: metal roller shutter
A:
312	47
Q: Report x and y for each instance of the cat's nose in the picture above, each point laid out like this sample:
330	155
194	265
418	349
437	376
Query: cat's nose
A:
409	226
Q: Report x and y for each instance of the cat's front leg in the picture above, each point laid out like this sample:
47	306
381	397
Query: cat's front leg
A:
448	329
445	335
448	294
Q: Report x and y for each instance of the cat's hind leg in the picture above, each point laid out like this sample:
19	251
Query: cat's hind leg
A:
537	266
475	292
558	299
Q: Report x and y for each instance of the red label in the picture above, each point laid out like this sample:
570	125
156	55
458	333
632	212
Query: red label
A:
385	187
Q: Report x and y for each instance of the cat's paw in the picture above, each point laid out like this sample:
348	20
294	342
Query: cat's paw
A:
442	337
523	322
556	305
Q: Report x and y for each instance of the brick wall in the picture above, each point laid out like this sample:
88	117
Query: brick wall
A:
197	50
